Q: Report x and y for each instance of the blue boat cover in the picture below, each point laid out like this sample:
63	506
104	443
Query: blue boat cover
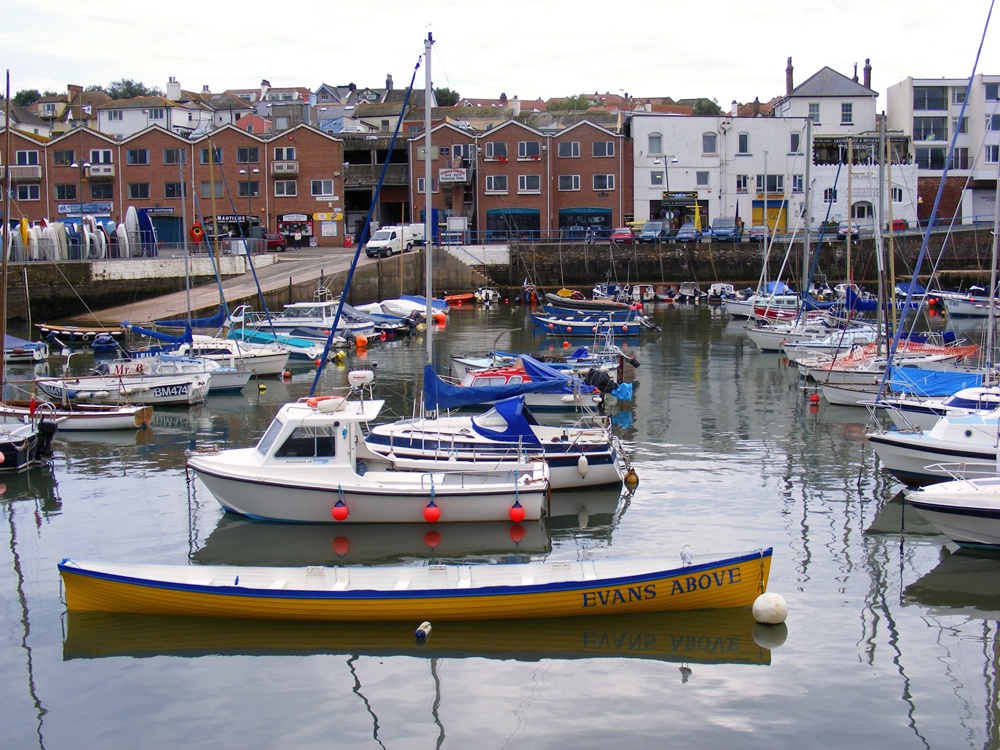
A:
517	418
440	394
777	287
436	304
919	382
184	338
212	321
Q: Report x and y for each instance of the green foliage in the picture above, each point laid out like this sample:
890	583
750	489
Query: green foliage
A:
706	107
576	103
26	97
446	97
126	88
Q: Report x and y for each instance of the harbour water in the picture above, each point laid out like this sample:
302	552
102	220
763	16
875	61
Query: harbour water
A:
891	638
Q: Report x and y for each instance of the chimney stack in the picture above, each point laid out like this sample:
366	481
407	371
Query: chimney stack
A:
734	109
868	73
788	78
855	79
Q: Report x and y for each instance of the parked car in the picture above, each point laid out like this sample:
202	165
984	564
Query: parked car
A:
275	242
725	229
623	235
688	233
848	228
654	231
760	233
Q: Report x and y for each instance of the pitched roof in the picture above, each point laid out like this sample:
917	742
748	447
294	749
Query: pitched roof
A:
828	82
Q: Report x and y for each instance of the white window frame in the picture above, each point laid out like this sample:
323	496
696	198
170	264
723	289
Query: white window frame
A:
434	185
846	113
496	184
798	183
529	150
29	193
326	188
814	110
495	150
136	189
281	188
284	153
573	148
608	147
715	144
524	182
608	181
742	183
656	178
574	183
743	144
26	158
701	178
654	143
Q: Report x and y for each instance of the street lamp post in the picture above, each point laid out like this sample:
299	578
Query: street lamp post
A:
249	232
667	161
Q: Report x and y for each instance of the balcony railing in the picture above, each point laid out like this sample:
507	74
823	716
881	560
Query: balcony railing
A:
101	172
279	168
23	173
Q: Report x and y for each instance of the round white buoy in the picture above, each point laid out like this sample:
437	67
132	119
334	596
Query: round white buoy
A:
582	465
423	630
769	609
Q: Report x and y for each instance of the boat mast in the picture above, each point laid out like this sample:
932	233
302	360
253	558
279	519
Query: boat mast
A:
6	230
428	210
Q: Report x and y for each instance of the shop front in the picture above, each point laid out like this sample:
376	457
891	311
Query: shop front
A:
297	229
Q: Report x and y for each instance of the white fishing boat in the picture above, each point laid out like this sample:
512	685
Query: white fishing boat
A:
313	465
261	359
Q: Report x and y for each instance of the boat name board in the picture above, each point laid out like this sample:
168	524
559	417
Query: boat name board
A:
679	586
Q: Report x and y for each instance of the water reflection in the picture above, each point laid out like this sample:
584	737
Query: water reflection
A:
963	583
723	636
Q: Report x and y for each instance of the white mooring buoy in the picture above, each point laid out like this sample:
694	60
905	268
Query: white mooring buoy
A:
770	609
423	630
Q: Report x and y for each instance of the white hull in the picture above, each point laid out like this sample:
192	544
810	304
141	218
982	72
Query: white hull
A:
966	511
90	418
313	466
140	389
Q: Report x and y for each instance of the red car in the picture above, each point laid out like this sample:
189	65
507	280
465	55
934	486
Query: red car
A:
623	235
275	242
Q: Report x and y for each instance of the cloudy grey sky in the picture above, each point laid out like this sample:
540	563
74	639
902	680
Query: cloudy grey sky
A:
725	50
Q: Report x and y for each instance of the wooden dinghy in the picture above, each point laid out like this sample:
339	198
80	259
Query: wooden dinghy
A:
415	593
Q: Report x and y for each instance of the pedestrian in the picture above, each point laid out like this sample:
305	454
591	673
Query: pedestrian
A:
298	238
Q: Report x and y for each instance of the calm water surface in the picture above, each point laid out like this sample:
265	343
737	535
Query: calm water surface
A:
891	638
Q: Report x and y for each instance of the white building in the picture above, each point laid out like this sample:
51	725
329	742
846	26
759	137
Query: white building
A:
721	163
930	110
734	166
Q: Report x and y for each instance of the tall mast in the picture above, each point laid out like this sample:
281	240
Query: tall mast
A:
6	230
428	195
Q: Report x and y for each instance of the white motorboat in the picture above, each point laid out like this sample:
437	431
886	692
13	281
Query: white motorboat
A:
313	465
261	359
916	457
909	412
967	511
224	379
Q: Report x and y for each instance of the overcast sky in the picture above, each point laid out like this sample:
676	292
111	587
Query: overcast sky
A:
527	48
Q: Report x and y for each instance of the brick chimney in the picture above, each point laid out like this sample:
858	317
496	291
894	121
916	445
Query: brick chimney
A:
788	78
868	73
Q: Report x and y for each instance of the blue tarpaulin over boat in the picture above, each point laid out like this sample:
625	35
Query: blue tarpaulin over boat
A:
919	382
440	394
213	321
516	422
184	338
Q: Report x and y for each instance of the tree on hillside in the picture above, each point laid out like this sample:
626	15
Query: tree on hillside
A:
446	97
126	88
26	97
706	107
570	104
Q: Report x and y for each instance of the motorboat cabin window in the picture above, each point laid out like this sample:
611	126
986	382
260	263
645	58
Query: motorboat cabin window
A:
308	442
268	438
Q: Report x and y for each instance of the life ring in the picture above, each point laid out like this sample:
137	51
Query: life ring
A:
317	400
197	233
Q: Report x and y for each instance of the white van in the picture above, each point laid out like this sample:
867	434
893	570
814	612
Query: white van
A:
388	240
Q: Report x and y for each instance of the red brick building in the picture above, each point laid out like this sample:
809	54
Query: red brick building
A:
515	181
